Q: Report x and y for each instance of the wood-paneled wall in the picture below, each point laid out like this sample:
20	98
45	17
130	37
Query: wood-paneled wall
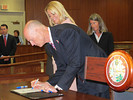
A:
117	14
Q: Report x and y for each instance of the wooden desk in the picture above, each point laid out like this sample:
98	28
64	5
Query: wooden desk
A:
5	93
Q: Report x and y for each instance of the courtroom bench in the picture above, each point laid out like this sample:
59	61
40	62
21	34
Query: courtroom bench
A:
30	62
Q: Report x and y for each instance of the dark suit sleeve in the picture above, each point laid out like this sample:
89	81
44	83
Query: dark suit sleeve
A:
0	46
111	44
70	44
14	46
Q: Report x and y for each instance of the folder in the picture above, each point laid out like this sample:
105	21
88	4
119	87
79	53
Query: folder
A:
34	93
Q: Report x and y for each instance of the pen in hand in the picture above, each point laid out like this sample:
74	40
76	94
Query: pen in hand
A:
41	89
35	82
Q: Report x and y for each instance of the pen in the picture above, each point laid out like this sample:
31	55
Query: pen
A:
48	91
21	87
36	82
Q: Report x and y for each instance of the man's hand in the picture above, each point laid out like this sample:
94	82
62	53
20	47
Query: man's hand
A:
6	58
43	86
46	87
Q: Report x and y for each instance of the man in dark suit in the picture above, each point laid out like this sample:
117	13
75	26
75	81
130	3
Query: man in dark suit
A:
7	45
69	46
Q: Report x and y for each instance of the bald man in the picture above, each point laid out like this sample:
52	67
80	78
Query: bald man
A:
69	45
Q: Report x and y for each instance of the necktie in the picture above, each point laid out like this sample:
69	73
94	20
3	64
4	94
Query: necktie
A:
5	40
53	45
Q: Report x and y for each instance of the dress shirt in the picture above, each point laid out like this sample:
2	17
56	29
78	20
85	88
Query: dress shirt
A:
51	40
98	38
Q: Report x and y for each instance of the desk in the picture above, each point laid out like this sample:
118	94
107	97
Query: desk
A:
5	93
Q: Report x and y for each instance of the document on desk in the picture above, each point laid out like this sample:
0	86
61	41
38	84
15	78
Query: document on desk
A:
25	90
35	93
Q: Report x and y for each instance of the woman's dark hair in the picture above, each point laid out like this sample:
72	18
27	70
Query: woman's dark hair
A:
16	32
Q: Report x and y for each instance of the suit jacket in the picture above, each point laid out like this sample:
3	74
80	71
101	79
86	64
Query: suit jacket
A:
72	46
49	65
9	49
106	42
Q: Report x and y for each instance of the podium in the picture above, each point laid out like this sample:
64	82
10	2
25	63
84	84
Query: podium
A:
116	71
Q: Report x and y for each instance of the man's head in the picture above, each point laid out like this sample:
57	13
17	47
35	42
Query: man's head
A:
4	29
35	32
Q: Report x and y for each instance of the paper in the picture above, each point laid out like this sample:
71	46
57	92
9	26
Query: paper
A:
26	90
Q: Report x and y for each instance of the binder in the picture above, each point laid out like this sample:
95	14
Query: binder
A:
34	94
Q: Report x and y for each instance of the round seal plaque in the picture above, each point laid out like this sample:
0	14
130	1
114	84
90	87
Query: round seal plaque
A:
119	70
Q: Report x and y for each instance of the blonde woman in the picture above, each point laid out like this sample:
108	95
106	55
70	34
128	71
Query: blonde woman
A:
57	14
99	33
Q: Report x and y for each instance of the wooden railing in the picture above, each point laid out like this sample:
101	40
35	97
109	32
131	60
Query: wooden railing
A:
26	49
28	54
124	45
30	66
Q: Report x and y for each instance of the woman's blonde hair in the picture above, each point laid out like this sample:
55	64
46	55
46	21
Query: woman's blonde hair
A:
57	8
102	26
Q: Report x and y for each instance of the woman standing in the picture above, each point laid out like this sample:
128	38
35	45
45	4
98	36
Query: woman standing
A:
57	14
99	33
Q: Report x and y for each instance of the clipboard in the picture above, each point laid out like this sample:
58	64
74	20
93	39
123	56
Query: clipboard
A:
34	94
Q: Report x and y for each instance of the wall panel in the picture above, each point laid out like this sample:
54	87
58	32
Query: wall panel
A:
130	19
117	14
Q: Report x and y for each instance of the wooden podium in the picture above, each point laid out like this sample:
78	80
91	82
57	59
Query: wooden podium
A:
116	70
